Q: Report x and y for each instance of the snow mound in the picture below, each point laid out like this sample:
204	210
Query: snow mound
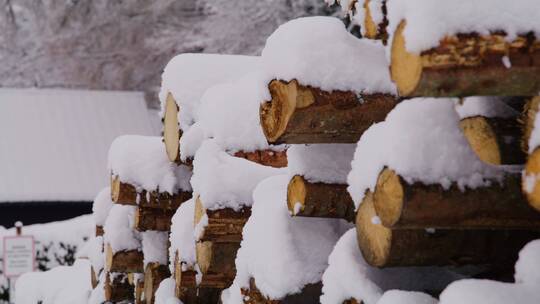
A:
325	163
489	292
271	227
188	76
92	251
528	264
421	140
142	162
320	52
119	232
429	21
165	293
102	205
182	238
406	297
484	106
154	247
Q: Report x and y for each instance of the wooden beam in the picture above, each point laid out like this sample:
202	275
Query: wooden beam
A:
118	289
153	275
386	247
171	129
224	225
153	219
299	114
127	194
467	65
495	141
319	199
417	206
276	159
123	261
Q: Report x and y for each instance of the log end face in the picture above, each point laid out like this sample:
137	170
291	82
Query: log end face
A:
531	179
388	197
527	121
204	255
405	67
296	195
115	188
275	114
108	257
171	129
482	139
374	239
370	27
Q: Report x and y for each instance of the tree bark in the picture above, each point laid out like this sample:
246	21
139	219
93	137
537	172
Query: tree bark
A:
386	247
224	225
467	65
299	114
99	230
118	290
417	206
319	199
153	219
153	275
276	159
123	261
495	141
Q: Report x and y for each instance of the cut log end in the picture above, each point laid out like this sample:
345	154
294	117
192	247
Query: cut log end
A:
296	195
171	129
406	68
482	139
388	197
374	239
527	120
115	188
370	27
531	179
153	275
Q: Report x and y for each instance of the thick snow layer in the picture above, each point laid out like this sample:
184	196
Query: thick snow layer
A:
188	76
326	163
229	113
102	204
97	295
349	276
63	284
142	162
421	140
406	297
154	247
119	232
484	106
54	142
225	181
182	238
429	21
165	294
528	264
489	292
303	245
93	251
320	52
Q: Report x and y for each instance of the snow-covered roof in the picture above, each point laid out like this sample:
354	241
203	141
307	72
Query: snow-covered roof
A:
54	143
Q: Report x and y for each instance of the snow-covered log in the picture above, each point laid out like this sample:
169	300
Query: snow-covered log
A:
299	114
122	243
184	81
276	159
384	247
100	209
152	219
117	288
502	205
221	225
123	261
217	259
370	15
493	56
154	273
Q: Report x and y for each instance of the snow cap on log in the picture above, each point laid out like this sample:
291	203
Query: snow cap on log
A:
165	294
528	264
324	163
229	113
154	247
406	297
182	238
102	205
225	181
188	76
303	49
485	291
429	21
93	251
490	107
142	162
119	232
269	227
422	142
349	276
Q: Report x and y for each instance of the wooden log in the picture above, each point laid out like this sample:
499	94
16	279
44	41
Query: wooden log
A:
138	284
372	29
527	121
299	114
495	141
153	275
118	289
224	225
123	261
218	259
127	194
402	205
99	230
309	294
319	199
467	65
531	179
386	247
276	159
185	281
153	219
171	129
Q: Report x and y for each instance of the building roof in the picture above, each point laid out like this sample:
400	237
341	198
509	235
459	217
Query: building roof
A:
54	143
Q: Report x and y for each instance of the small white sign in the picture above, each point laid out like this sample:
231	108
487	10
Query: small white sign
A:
19	255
